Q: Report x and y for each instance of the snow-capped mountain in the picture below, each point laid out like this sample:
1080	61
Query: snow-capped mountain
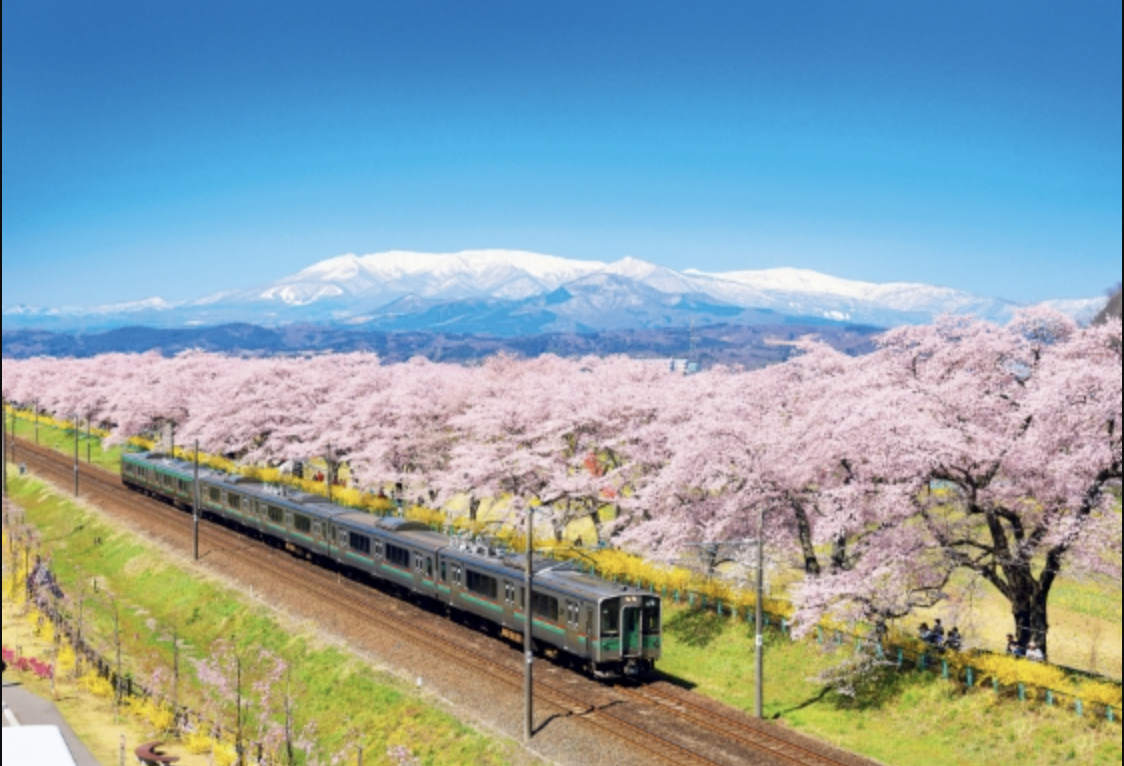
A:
516	293
478	274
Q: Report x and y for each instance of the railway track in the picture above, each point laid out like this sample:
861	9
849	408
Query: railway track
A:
758	747
727	726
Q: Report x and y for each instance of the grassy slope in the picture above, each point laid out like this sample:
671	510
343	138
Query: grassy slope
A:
93	719
907	720
337	690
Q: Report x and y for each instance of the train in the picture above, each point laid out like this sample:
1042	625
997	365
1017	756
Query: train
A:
605	629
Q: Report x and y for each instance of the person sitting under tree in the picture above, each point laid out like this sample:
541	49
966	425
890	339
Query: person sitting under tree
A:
955	641
937	636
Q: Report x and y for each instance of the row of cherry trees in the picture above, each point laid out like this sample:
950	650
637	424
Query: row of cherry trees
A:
961	445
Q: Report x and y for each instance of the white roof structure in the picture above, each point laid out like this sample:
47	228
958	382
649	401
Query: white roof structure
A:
35	746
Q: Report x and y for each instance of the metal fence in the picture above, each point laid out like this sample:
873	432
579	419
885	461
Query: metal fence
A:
905	659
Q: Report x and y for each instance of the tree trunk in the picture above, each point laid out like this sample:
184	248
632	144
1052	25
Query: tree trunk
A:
839	555
804	531
1029	607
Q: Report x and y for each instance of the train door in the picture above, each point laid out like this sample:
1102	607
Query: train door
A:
445	582
509	606
633	634
574	634
424	575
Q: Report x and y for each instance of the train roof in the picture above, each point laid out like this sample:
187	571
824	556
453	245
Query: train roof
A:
549	573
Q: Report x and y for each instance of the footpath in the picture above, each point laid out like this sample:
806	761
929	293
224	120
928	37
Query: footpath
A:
21	708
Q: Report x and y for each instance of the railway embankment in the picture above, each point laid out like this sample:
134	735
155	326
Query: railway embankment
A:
135	590
899	720
460	669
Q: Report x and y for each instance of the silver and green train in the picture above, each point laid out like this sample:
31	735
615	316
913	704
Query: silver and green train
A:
607	629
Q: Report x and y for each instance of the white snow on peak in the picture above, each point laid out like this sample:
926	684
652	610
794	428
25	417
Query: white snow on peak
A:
810	282
399	264
152	304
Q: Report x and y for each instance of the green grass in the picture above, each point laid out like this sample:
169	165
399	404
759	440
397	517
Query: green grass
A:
900	719
337	690
63	442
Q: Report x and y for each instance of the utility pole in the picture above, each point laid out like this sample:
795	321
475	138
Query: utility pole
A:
529	633
760	619
195	501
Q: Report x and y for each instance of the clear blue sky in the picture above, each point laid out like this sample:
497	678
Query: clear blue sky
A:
180	148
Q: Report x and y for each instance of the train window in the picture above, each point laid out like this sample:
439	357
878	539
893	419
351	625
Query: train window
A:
482	585
360	544
545	607
167	480
302	524
216	496
589	621
651	617
276	515
399	557
233	501
429	567
610	620
444	571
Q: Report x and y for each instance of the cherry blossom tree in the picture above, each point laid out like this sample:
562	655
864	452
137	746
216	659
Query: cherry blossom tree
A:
981	448
958	446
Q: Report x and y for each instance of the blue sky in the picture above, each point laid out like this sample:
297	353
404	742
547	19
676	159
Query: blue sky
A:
176	149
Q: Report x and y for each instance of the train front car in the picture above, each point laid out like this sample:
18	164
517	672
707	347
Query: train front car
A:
630	638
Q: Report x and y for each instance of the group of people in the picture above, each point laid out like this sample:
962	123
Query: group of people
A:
939	640
1030	651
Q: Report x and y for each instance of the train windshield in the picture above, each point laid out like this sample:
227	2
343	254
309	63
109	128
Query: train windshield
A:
651	617
611	619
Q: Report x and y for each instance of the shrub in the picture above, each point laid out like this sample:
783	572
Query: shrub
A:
97	686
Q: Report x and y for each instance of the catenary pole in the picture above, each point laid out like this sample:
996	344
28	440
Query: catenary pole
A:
77	435
12	440
529	633
4	448
195	501
760	617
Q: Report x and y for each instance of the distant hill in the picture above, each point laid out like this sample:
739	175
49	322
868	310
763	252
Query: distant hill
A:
1112	310
751	347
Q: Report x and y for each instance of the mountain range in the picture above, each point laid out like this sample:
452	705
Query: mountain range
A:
518	294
